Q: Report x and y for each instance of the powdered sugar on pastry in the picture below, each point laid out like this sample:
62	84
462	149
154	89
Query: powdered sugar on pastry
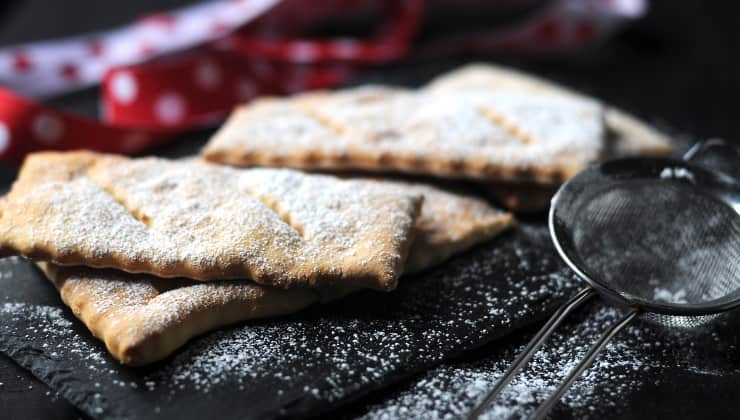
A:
631	136
462	134
199	221
143	318
449	222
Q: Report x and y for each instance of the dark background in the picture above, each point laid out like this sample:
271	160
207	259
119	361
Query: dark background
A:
678	67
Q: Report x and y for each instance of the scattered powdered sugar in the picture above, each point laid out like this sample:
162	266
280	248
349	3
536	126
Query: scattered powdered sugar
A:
632	360
449	222
677	173
336	358
452	390
60	341
174	218
418	132
665	295
129	312
48	315
310	363
244	356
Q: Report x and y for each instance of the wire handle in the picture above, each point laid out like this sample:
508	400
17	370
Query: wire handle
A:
576	372
534	345
717	155
699	147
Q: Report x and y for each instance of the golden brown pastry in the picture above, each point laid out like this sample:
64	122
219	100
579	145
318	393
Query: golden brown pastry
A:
629	135
207	222
626	135
143	318
472	134
450	222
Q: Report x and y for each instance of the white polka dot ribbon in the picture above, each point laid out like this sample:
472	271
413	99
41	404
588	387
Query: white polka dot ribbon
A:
147	100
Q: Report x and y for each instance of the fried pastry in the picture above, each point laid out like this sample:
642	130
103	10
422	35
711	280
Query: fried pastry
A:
628	135
201	221
450	222
482	135
142	318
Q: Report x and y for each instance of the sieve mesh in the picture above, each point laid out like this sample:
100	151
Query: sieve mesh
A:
660	241
677	321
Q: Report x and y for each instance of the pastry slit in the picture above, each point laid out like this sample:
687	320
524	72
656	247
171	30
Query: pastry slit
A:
502	121
136	214
284	215
324	119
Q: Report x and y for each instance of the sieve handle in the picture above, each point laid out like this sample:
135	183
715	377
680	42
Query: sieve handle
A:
534	345
576	372
700	147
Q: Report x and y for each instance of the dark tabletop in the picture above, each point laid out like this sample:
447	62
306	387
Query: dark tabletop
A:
677	67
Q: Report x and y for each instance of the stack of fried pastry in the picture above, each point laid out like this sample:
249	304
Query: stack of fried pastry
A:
172	249
516	135
150	252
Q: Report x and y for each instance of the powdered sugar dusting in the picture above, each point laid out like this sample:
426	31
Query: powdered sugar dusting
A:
179	218
39	313
143	318
452	390
424	132
665	295
26	322
314	361
309	362
131	313
632	360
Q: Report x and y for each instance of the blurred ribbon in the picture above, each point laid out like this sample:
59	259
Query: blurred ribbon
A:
173	71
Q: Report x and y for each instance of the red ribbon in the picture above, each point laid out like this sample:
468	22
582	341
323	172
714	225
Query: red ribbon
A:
146	104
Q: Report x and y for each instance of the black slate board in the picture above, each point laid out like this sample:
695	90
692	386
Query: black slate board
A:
304	364
646	372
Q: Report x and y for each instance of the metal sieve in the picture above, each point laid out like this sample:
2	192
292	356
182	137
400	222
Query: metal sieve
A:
658	236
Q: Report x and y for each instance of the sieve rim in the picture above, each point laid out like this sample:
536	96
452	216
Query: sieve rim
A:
646	305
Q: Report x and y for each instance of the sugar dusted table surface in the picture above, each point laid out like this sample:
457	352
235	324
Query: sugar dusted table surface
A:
308	363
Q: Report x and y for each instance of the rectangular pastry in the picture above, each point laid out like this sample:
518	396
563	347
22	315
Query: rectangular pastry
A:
143	318
191	219
472	134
